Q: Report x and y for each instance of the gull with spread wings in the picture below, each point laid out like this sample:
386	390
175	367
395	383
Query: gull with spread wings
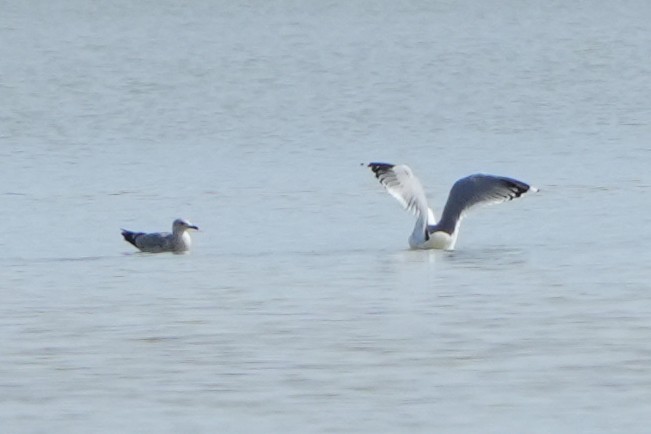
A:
466	193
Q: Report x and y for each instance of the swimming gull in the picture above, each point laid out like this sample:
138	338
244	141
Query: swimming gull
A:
178	241
473	190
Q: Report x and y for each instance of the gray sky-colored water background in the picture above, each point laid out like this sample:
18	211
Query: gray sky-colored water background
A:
300	307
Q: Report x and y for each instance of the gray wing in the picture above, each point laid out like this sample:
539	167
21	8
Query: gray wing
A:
401	183
475	190
154	242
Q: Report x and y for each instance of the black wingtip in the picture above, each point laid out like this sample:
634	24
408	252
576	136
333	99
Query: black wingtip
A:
518	188
379	164
130	236
379	168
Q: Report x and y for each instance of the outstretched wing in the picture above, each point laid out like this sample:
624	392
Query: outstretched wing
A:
401	183
478	189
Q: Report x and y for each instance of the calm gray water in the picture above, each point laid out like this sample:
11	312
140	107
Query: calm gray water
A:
300	308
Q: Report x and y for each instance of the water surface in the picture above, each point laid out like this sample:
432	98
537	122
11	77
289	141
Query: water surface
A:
300	308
